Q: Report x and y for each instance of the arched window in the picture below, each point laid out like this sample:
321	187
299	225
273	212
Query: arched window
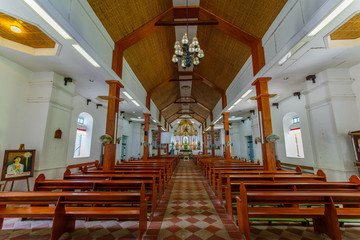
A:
83	135
292	136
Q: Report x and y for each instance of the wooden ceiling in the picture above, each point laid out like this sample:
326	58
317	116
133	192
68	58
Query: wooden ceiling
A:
349	30
150	55
30	35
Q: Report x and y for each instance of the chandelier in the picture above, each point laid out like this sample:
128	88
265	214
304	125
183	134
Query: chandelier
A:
187	54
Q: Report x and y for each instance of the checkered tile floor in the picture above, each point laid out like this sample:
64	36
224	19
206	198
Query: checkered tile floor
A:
188	210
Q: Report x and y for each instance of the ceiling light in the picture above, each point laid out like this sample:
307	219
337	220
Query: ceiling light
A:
231	107
133	112
330	17
15	29
128	95
284	58
137	119
233	118
237	101
47	18
246	93
187	54
85	55
135	103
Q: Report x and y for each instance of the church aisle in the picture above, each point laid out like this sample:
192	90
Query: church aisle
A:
190	210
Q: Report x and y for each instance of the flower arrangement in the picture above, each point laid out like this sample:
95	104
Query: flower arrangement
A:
228	143
146	144
257	140
106	139
272	138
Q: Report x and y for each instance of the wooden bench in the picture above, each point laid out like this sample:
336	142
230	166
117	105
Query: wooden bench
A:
218	172
132	171
104	176
43	184
233	190
80	166
226	179
325	219
70	206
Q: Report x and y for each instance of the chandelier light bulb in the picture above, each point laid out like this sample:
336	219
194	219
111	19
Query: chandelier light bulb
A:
183	63
174	59
178	51
195	41
177	44
185	39
191	48
197	48
196	61
201	53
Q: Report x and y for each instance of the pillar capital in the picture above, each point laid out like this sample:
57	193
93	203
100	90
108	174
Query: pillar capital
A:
114	82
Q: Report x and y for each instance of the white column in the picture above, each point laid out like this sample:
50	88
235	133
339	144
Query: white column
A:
332	112
49	107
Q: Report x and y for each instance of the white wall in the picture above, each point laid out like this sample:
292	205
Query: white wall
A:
14	81
355	75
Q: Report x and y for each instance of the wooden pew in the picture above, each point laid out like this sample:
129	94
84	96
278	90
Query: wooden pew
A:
265	176
132	171
104	176
80	166
233	190
43	184
70	206
325	219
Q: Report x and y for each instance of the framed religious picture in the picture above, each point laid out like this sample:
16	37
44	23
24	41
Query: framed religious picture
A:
18	164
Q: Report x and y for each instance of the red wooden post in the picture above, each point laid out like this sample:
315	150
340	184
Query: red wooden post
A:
205	142
111	123
146	136
262	97
159	141
227	135
212	141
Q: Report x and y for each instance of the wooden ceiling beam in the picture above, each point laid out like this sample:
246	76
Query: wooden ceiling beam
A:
180	12
186	23
131	39
257	50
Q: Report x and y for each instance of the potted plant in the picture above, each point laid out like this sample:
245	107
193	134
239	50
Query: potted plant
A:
106	139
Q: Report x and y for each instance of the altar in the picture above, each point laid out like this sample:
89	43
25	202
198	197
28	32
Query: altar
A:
186	139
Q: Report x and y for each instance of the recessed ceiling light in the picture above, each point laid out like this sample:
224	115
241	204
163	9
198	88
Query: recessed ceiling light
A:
330	17
128	95
15	29
47	18
85	55
135	102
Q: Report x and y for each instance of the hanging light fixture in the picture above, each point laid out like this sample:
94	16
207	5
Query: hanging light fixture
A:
187	54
